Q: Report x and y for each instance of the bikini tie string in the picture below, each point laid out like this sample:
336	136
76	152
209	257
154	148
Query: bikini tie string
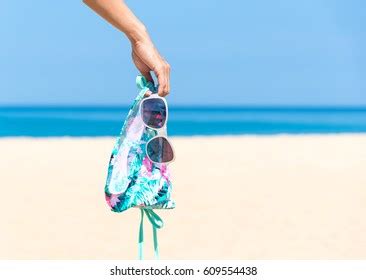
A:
156	223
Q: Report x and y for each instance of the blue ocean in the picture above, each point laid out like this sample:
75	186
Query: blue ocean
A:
183	121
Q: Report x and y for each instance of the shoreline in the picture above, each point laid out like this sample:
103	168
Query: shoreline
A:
331	134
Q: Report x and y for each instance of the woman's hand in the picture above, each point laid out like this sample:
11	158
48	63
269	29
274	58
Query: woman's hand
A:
144	54
147	58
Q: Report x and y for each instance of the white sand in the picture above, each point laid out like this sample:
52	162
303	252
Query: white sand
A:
278	197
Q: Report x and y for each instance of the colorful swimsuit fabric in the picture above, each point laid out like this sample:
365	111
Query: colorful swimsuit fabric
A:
133	180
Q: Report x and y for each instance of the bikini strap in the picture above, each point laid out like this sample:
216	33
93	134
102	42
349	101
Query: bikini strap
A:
156	223
144	85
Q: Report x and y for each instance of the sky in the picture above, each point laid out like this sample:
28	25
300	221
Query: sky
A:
235	52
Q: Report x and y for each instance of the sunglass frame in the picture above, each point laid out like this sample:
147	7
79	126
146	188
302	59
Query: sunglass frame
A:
161	131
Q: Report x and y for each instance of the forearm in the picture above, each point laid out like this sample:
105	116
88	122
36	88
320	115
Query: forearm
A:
119	15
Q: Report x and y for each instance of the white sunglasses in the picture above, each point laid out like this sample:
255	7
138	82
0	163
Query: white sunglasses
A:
154	114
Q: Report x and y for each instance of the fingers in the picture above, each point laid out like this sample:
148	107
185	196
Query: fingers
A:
142	67
147	75
158	65
162	72
148	93
168	78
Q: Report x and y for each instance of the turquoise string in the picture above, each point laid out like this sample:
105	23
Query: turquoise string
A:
156	223
141	236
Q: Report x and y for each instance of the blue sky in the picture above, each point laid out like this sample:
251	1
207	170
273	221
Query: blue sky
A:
221	52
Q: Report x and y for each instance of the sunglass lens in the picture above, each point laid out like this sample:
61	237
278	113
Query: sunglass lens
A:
154	112
160	150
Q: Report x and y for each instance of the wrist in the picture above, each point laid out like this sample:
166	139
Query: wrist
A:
138	34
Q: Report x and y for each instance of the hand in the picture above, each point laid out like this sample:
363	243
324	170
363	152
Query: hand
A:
144	54
147	58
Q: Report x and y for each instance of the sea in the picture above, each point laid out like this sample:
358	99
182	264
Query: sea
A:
93	121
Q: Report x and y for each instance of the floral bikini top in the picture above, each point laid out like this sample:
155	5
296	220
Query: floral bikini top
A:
133	180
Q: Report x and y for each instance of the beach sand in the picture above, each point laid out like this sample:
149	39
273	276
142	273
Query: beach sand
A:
245	197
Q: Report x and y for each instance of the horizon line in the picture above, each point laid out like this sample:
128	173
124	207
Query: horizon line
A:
290	106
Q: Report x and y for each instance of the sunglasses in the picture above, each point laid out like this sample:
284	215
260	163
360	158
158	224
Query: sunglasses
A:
154	113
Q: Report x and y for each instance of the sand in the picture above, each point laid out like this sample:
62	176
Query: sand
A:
245	197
